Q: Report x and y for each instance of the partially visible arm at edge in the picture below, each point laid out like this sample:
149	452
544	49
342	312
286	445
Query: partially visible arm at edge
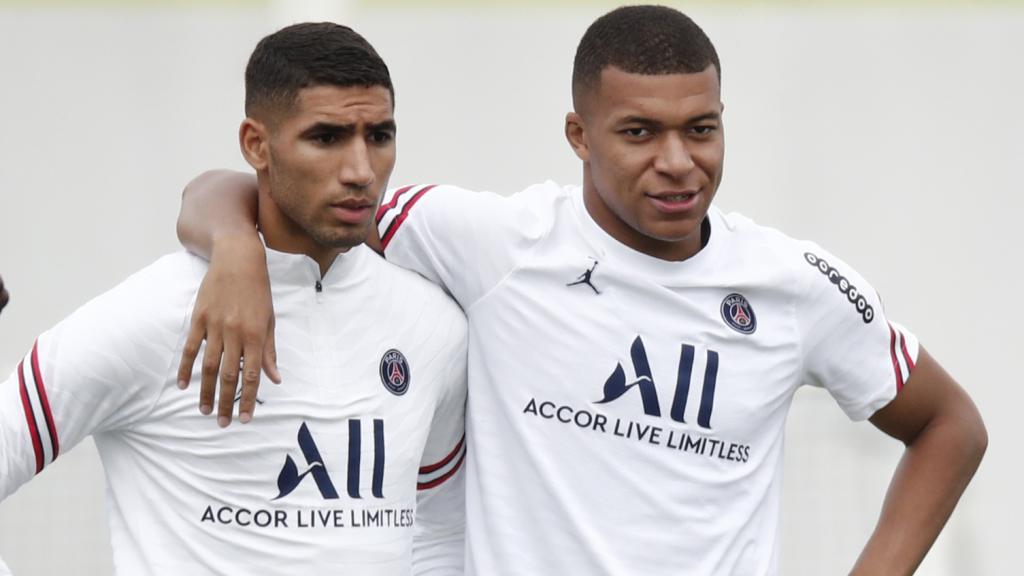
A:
945	440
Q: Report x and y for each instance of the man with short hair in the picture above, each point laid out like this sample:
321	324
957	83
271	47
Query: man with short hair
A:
362	444
634	350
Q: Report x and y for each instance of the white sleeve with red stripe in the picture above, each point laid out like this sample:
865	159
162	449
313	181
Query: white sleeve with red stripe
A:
849	346
465	241
99	369
439	535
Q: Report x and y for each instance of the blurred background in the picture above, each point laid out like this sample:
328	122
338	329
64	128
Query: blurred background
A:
888	132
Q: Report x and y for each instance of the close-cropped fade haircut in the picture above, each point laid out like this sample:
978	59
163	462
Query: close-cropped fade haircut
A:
649	40
306	55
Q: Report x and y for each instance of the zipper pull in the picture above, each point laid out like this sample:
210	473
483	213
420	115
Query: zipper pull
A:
319	287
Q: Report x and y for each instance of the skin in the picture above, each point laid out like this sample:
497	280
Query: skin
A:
322	166
642	140
4	296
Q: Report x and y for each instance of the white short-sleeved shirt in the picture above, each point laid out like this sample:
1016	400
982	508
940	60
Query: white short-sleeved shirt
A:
626	413
369	419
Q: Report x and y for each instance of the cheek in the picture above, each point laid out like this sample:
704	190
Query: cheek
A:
710	159
619	164
384	163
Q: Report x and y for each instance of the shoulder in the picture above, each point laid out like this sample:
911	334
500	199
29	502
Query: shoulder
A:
150	305
756	247
175	272
124	339
817	276
168	285
411	290
483	207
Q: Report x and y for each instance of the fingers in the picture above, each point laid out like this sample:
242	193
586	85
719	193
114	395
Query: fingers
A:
270	355
229	369
250	381
210	369
196	334
238	327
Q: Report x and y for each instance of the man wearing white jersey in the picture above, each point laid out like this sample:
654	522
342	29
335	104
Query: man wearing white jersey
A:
633	350
362	443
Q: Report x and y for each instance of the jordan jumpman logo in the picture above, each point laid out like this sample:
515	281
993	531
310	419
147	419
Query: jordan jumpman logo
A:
585	279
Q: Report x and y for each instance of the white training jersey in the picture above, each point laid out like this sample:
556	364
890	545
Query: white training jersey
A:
369	419
626	413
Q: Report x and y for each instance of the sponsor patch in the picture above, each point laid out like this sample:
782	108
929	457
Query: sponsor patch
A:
739	314
394	372
867	313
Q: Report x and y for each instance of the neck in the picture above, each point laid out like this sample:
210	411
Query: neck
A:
281	233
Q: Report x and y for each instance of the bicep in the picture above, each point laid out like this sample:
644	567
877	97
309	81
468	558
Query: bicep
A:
23	453
929	395
44	411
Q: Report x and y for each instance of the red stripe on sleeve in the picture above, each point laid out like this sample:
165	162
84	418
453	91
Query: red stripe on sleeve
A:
441	479
37	444
394	202
397	223
906	354
41	388
895	361
433	467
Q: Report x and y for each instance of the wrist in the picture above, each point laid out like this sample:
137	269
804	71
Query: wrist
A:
237	244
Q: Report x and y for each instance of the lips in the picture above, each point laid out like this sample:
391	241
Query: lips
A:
353	204
674	201
352	210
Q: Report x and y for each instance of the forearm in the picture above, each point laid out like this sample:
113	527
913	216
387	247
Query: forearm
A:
217	204
930	478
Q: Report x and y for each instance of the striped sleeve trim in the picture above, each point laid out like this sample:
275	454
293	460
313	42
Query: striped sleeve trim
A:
902	363
38	416
434	475
393	213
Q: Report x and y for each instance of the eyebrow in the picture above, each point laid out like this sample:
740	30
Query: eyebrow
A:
644	121
386	126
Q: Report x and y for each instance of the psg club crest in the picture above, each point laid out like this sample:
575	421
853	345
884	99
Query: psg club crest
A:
739	314
394	372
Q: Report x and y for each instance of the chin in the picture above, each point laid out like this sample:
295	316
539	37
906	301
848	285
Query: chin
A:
337	239
675	233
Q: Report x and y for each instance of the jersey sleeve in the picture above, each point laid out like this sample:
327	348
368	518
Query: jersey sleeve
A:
465	241
99	369
439	535
850	347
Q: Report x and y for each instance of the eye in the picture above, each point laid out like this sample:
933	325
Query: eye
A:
325	138
704	130
637	132
381	136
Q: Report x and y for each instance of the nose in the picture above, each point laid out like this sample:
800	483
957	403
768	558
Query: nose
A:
356	168
673	157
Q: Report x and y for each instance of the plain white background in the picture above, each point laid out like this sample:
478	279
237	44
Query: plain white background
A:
891	136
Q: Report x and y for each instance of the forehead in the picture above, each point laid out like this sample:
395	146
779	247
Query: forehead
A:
343	105
666	97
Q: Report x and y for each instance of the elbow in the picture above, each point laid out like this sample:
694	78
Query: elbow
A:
979	438
971	435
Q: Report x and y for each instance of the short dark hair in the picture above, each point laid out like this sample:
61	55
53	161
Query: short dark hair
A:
642	40
310	54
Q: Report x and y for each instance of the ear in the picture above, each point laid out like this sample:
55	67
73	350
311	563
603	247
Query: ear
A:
576	135
254	140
